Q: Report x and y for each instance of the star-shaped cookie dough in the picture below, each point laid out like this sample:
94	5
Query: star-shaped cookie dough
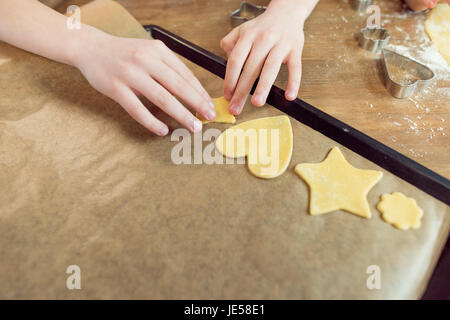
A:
335	184
400	211
222	113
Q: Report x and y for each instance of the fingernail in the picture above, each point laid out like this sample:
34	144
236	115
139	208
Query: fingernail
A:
197	125
291	96
432	3
258	99
234	108
210	114
163	131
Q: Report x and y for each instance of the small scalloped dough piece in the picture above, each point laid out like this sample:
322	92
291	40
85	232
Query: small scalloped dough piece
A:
222	113
267	143
400	211
437	26
335	184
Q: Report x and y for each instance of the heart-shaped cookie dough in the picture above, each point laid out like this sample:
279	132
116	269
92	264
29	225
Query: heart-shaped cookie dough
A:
267	143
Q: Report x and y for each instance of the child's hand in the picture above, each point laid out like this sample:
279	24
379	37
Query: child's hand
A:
117	67
419	5
121	68
259	47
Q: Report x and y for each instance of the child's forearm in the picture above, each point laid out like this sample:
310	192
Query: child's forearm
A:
117	67
300	9
32	26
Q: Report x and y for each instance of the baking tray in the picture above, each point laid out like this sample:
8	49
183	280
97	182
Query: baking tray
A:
360	143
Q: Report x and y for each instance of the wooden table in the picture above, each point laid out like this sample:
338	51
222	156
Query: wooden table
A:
338	77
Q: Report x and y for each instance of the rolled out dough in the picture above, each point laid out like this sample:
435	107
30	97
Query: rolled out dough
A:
400	211
335	184
267	143
437	26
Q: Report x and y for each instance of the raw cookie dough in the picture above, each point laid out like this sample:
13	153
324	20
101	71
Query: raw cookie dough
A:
267	143
222	113
400	211
437	26
335	184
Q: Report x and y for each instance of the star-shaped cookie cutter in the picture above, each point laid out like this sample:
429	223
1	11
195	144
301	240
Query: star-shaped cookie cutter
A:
420	76
246	11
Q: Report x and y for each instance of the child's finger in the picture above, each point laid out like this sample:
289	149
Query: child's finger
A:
176	64
420	5
234	66
229	41
432	3
134	107
269	73
294	65
181	88
248	77
158	95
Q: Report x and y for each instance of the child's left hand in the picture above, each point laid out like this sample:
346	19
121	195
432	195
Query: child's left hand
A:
259	47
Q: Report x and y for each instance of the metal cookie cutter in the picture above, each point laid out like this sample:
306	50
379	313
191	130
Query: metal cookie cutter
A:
404	76
246	11
373	39
360	5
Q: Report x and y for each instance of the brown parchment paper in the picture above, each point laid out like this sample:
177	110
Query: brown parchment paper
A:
81	183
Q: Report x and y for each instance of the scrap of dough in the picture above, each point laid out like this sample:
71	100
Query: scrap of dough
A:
335	184
222	113
262	141
400	211
437	26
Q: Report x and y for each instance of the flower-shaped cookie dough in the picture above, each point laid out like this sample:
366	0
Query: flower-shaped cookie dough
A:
400	211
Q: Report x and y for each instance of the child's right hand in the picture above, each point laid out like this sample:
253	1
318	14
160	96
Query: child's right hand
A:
121	68
420	5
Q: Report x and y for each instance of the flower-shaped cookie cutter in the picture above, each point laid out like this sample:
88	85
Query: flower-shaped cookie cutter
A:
246	11
373	39
404	76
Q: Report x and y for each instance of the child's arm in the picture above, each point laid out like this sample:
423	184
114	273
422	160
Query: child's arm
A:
260	46
117	67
